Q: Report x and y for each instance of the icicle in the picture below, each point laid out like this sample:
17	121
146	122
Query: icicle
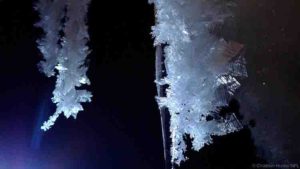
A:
66	54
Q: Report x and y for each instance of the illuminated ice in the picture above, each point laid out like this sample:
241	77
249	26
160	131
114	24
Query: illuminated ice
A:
64	49
201	68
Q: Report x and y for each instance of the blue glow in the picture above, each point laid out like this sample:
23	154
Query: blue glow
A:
37	135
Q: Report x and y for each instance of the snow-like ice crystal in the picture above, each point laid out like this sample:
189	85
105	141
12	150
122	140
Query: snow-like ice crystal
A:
64	49
202	70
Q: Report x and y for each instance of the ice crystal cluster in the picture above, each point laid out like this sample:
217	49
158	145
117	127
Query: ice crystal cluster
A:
64	49
203	70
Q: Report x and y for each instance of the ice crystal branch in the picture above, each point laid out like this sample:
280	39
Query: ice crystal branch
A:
202	70
65	54
51	14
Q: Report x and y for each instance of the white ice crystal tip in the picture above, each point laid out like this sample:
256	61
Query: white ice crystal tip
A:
84	80
60	67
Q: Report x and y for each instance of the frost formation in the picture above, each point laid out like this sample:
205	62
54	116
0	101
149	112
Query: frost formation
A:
64	49
203	70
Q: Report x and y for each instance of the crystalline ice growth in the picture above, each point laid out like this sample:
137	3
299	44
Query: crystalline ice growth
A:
202	69
65	54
